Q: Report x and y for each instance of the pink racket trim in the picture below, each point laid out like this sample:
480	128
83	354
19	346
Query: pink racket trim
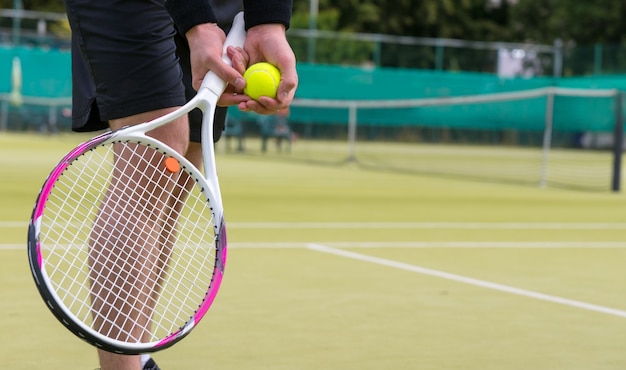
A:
58	170
51	180
218	275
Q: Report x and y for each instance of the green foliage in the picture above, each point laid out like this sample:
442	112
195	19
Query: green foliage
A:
468	19
39	5
582	22
465	19
540	21
536	21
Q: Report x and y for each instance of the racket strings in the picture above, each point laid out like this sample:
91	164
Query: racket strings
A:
129	246
64	228
159	214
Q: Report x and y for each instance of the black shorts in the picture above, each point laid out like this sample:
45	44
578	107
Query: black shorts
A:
127	58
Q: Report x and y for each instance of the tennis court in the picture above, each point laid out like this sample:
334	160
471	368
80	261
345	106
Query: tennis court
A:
337	267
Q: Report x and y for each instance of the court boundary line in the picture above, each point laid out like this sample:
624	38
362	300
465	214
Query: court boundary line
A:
468	280
326	248
412	245
406	225
433	225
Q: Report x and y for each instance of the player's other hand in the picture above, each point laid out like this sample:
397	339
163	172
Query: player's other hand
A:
268	43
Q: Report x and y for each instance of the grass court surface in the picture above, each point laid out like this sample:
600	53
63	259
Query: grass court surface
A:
336	267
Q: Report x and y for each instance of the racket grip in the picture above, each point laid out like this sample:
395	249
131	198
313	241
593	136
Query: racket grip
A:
236	37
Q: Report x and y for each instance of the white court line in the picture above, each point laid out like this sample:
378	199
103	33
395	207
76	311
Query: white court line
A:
468	280
440	244
406	225
431	225
414	245
13	224
12	247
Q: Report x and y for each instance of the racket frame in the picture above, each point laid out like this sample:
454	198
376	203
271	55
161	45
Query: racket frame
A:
206	100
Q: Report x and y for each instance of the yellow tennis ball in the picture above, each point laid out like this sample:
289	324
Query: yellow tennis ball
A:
262	79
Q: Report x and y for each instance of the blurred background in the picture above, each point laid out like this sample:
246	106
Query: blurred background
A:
536	82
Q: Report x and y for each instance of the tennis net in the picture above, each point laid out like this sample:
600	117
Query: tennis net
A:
552	136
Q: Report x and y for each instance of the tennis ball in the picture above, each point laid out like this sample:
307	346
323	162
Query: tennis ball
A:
262	79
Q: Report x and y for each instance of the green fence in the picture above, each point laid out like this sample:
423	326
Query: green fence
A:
46	74
573	113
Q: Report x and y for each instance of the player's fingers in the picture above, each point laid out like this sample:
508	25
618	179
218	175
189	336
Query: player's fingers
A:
287	87
233	78
225	72
196	78
228	74
286	63
264	105
232	98
239	58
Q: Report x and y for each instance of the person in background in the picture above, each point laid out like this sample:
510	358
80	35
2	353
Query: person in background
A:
275	126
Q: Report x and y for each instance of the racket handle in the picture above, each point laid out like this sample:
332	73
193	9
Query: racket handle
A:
236	37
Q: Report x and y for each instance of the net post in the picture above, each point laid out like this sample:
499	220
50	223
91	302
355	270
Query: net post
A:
352	118
4	115
557	69
52	118
618	142
547	139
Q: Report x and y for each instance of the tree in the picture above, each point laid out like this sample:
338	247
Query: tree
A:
467	19
579	22
39	5
457	19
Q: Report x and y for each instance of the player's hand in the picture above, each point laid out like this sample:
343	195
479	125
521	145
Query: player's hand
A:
268	43
206	43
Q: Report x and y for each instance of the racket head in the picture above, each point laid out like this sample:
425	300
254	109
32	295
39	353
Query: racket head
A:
64	250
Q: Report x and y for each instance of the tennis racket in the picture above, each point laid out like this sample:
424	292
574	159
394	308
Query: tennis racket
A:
127	240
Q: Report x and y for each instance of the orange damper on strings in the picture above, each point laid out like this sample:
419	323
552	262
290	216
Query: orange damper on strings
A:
171	164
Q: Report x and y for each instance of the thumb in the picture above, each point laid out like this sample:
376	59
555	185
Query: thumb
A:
230	75
223	71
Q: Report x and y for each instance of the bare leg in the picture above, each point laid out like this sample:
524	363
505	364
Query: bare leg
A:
171	214
112	361
194	154
146	241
